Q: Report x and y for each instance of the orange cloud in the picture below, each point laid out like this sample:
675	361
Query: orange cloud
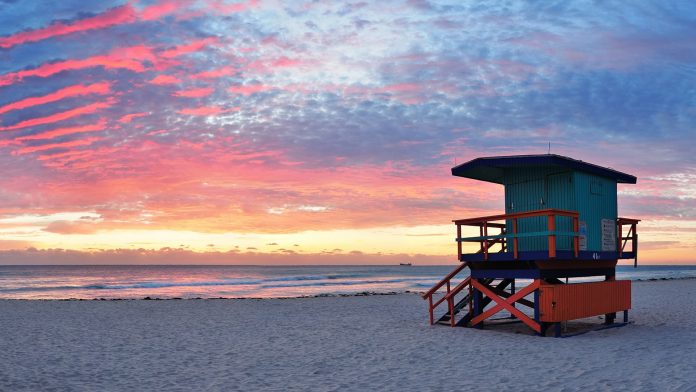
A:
112	17
68	227
91	108
67	92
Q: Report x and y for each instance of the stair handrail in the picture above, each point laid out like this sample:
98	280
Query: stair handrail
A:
458	288
445	281
450	298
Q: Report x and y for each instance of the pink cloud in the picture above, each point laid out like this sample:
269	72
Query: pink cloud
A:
285	62
214	74
74	143
249	89
101	125
195	92
88	109
226	8
129	117
165	79
67	92
129	58
112	17
116	16
161	9
206	110
191	47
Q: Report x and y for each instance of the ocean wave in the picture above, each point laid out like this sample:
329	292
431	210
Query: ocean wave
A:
289	282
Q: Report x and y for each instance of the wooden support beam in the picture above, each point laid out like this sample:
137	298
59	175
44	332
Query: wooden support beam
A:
506	304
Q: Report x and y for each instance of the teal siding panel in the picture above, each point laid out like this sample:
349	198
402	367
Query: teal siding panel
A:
561	195
596	198
537	188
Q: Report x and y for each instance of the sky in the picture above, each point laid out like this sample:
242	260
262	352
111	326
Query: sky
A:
324	132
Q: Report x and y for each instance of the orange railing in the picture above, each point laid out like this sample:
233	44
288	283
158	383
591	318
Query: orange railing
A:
486	241
449	295
631	235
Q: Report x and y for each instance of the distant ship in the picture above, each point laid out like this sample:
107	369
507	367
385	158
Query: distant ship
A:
405	264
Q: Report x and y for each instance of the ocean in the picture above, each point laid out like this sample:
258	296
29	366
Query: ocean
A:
166	282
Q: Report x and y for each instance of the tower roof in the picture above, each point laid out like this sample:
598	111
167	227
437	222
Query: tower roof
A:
491	169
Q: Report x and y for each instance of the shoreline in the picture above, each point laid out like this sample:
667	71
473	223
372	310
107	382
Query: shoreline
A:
321	295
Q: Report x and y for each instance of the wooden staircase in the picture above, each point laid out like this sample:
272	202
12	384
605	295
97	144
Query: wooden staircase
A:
463	304
455	307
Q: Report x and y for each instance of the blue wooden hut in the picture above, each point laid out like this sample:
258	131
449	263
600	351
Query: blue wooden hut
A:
560	221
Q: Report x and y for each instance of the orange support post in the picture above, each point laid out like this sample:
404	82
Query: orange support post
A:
552	237
576	238
459	242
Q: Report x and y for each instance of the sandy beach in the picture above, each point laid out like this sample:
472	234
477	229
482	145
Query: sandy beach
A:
334	344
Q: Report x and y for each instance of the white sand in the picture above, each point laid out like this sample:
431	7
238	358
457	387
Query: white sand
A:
324	344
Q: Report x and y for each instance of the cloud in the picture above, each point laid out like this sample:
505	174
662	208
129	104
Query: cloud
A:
176	256
58	132
63	145
61	116
67	92
206	110
70	227
195	92
130	58
114	16
214	116
165	79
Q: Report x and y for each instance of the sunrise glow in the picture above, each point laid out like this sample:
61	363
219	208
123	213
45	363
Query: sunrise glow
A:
313	132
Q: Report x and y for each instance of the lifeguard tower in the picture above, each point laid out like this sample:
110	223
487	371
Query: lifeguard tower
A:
560	222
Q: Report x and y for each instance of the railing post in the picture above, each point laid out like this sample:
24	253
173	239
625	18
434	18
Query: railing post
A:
576	239
514	239
485	238
552	235
459	242
481	235
450	302
635	246
620	241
